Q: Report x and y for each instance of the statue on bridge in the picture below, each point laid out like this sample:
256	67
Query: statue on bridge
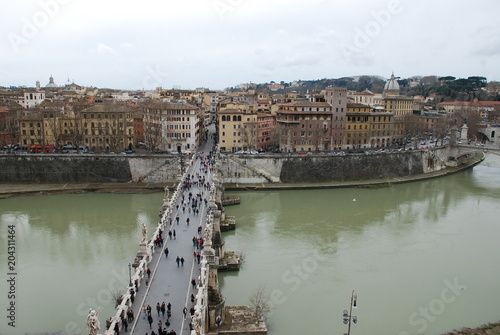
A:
144	233
167	191
93	324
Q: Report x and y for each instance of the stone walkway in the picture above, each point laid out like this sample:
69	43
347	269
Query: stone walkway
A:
171	282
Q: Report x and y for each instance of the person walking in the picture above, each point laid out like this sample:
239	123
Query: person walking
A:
158	309
184	311
174	234
148	271
163	309
187	221
198	256
145	311
192	298
166	252
177	260
193	282
182	261
150	320
170	234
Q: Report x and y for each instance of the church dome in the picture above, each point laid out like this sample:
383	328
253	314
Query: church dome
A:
392	84
51	83
391	88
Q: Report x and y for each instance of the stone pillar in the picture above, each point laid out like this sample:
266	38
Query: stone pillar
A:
464	133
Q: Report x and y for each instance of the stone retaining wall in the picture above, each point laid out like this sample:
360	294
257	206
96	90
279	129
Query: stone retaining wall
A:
84	168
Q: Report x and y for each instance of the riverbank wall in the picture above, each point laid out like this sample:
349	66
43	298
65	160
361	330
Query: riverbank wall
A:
88	168
234	169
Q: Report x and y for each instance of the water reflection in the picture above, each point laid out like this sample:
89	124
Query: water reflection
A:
396	246
73	252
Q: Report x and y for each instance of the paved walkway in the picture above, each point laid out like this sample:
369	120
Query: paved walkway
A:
171	282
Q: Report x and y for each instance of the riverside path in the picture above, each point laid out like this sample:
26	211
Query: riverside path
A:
171	282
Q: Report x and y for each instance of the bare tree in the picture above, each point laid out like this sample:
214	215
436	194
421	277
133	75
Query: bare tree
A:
473	118
152	135
442	127
412	127
53	126
261	301
249	135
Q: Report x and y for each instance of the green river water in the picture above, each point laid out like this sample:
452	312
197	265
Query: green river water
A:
423	257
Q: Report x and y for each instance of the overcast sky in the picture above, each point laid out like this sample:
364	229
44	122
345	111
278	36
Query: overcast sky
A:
220	43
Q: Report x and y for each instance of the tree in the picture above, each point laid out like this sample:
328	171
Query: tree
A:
261	302
412	127
52	121
473	118
442	127
249	136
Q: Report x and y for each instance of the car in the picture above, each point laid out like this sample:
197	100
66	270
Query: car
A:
128	152
175	152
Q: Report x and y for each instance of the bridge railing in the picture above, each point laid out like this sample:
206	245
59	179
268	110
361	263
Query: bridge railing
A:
141	268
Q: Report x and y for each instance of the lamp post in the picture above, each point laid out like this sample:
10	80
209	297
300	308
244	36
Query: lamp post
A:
348	315
130	274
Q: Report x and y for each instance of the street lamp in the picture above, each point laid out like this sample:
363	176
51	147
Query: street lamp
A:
130	274
348	315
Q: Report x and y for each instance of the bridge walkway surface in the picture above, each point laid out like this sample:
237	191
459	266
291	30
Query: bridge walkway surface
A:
171	282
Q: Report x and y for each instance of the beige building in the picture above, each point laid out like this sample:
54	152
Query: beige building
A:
173	127
397	105
238	130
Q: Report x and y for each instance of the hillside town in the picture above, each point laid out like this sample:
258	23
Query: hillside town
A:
250	118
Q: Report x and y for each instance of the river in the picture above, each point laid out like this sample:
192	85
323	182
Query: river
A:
72	254
422	257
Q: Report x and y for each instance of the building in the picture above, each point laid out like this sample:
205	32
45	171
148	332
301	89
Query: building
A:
397	105
483	108
336	97
104	127
27	99
265	131
9	123
172	126
368	127
358	126
237	130
366	98
304	126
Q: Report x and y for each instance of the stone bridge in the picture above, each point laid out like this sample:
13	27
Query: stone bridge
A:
192	286
490	132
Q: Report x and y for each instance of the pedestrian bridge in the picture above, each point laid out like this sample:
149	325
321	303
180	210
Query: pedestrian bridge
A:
190	213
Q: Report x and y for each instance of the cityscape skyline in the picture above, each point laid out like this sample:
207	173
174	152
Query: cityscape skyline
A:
222	43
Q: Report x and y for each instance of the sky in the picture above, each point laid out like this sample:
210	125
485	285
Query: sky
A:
222	43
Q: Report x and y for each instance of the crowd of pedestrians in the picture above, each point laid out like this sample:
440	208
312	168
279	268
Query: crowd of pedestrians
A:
193	200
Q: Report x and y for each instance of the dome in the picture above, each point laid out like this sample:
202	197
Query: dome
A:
392	86
51	83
